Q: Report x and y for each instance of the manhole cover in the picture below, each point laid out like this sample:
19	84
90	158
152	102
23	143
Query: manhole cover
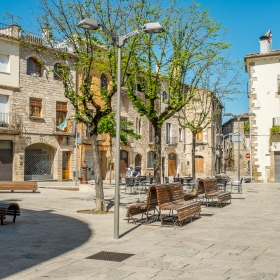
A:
110	256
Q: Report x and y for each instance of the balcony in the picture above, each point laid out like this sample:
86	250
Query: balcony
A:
9	30
68	131
10	123
172	141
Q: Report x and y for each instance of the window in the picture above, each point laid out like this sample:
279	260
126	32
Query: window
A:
150	160
180	134
61	112
151	133
199	134
34	67
103	82
168	133
123	126
35	107
4	63
164	96
58	71
138	125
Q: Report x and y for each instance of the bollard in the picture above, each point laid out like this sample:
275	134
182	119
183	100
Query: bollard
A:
84	174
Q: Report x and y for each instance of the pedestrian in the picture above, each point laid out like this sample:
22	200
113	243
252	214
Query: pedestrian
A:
225	168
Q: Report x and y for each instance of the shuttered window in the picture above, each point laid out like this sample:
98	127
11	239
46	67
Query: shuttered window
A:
61	112
35	107
150	159
199	135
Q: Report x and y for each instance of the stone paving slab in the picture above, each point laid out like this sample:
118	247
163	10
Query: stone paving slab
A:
51	240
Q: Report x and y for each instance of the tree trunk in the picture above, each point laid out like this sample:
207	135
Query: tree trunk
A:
193	154
157	160
100	203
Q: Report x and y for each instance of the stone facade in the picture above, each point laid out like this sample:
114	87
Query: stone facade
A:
231	148
38	147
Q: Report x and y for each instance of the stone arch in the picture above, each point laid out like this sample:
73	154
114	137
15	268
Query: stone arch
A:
39	162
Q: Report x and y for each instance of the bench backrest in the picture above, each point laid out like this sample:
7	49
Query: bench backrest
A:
152	196
210	185
168	193
26	183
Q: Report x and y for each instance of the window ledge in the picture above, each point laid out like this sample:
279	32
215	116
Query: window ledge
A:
36	118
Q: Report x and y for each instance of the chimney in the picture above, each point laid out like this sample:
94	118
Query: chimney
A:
264	44
157	68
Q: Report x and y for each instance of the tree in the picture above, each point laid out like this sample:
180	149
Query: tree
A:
108	125
95	53
190	49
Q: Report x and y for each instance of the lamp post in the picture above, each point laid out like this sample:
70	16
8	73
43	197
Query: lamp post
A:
152	27
238	139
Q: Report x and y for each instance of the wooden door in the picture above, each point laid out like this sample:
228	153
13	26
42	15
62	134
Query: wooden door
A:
138	160
199	165
172	164
65	165
6	161
123	163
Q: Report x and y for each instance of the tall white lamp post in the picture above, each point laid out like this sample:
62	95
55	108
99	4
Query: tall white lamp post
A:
152	27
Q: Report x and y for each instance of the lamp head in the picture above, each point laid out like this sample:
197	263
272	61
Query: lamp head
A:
152	27
88	23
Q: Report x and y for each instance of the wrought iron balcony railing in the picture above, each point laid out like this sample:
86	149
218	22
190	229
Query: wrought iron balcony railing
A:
10	121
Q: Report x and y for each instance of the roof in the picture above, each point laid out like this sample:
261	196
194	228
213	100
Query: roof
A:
242	116
254	55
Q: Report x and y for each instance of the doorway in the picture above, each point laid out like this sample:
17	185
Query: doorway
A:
6	161
172	164
123	163
199	164
65	165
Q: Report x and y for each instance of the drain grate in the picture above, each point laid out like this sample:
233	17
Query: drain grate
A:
206	215
110	256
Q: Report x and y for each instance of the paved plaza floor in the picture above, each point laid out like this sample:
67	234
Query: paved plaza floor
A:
51	240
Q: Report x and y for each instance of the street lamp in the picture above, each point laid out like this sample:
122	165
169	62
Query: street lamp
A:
238	139
151	27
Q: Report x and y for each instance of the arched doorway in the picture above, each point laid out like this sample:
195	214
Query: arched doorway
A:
199	164
38	162
172	164
123	163
138	160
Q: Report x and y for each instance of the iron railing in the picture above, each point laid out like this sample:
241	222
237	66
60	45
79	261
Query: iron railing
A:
69	129
10	121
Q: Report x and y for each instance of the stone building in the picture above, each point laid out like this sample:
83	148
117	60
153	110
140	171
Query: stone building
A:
231	148
264	93
33	106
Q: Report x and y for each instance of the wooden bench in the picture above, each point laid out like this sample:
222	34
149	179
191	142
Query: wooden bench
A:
170	197
18	186
142	208
211	190
8	209
197	193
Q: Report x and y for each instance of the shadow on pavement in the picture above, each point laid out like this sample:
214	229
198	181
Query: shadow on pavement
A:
38	236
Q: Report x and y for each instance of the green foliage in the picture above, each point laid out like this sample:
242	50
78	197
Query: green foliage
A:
275	130
108	125
247	126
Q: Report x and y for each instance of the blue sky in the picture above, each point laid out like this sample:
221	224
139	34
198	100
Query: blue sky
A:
246	20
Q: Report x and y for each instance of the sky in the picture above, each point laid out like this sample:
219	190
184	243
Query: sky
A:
246	21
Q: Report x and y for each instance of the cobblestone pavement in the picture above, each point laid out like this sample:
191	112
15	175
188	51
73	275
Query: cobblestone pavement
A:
50	240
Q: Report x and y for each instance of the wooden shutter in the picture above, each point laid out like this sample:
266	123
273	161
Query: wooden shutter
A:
35	102
61	106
